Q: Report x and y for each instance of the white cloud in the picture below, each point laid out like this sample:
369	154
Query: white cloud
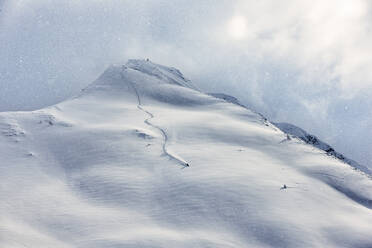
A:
328	35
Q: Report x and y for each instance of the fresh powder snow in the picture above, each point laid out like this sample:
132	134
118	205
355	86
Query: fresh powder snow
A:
142	158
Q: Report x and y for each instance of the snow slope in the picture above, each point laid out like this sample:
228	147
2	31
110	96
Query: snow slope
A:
313	140
108	168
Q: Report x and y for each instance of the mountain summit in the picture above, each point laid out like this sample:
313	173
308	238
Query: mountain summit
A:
141	158
142	69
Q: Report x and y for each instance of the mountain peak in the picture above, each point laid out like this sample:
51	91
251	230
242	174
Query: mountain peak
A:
164	73
147	68
141	74
143	79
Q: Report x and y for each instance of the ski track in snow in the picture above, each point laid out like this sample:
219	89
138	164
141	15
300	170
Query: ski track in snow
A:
161	130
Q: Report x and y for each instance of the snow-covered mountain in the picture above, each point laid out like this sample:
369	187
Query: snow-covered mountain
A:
141	158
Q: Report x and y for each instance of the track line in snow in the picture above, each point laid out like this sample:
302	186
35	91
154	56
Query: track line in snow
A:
161	130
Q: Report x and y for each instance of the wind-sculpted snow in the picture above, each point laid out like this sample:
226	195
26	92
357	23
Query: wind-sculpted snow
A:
10	128
103	170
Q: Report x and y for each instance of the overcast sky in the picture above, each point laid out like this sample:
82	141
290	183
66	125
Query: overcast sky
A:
304	62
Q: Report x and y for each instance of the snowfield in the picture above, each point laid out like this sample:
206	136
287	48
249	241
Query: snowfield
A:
109	168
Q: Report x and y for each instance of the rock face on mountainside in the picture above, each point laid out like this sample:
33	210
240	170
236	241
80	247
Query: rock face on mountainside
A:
141	158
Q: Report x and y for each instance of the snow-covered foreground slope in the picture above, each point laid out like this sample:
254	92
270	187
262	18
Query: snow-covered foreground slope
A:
109	169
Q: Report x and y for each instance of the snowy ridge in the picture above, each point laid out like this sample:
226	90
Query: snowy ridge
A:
169	74
301	134
227	98
107	169
313	140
